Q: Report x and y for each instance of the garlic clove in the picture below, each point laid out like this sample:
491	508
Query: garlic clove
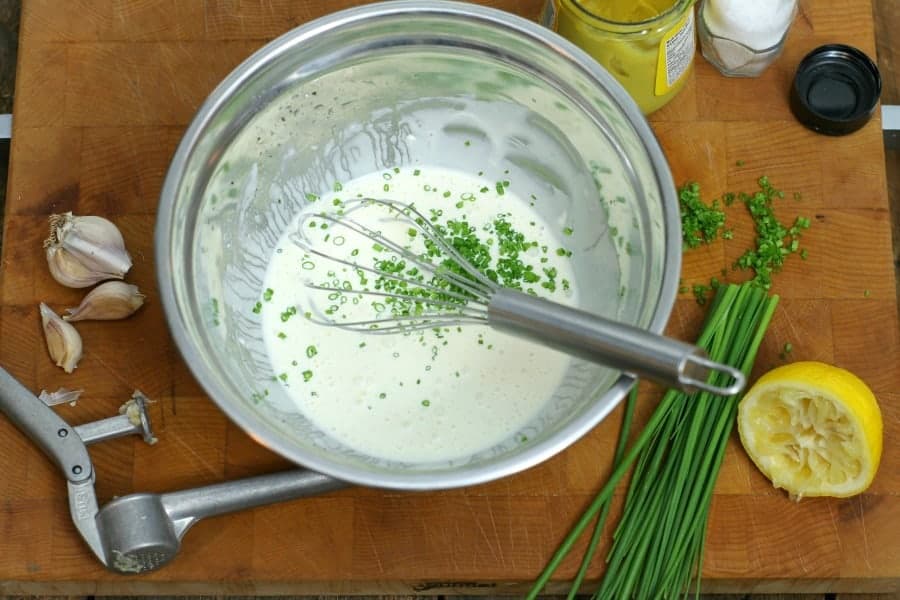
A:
85	248
96	241
66	269
106	302
63	341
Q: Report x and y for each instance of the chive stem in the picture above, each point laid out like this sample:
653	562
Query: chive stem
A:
627	418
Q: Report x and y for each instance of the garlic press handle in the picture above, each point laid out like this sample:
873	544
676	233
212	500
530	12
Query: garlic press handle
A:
604	341
64	446
53	435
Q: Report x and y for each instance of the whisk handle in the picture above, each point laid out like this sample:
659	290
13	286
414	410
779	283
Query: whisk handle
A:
668	361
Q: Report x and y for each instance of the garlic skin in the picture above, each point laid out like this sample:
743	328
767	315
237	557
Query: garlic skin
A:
106	302
63	341
82	251
60	396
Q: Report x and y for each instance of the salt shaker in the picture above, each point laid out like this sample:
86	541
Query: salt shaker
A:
740	37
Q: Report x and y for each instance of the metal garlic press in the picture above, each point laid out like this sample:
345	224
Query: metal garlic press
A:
139	532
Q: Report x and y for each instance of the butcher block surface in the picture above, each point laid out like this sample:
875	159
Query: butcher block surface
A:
105	90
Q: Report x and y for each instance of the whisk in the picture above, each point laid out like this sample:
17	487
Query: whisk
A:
464	295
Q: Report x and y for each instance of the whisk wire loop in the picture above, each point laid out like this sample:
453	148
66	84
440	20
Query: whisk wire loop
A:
374	326
463	297
457	308
480	285
435	237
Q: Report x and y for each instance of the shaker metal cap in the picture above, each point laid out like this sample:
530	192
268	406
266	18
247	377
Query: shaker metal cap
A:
835	89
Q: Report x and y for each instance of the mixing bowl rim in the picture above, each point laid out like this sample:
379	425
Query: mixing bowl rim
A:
462	475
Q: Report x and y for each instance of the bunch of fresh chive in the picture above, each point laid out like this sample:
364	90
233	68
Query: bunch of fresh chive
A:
658	545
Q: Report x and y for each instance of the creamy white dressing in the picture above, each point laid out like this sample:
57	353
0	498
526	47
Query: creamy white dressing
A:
428	396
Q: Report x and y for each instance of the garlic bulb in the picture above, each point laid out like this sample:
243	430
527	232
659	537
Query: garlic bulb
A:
63	341
82	251
108	301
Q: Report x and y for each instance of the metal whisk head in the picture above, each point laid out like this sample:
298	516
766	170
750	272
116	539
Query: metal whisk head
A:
434	286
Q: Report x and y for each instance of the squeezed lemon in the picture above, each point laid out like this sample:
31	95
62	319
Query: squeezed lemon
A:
813	429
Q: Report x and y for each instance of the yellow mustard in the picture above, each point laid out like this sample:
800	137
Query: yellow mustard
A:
647	45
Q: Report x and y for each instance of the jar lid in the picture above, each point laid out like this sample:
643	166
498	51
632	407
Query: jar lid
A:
835	89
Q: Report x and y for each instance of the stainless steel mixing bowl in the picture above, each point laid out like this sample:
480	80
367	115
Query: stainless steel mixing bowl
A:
392	84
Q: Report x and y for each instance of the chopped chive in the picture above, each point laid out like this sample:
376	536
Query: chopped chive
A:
700	223
786	350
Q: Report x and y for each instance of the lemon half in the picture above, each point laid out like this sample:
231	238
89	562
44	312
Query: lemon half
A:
813	429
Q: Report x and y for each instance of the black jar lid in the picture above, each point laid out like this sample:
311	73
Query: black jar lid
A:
835	89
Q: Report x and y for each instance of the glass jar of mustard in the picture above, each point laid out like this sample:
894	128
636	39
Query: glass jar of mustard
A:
647	45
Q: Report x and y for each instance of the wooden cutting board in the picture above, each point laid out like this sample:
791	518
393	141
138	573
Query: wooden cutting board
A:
105	89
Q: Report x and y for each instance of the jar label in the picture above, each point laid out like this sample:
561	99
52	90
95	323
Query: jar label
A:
676	52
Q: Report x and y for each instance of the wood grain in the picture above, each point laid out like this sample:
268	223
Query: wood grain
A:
887	30
105	91
886	17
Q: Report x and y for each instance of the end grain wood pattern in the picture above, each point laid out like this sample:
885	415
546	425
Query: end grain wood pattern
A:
106	89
